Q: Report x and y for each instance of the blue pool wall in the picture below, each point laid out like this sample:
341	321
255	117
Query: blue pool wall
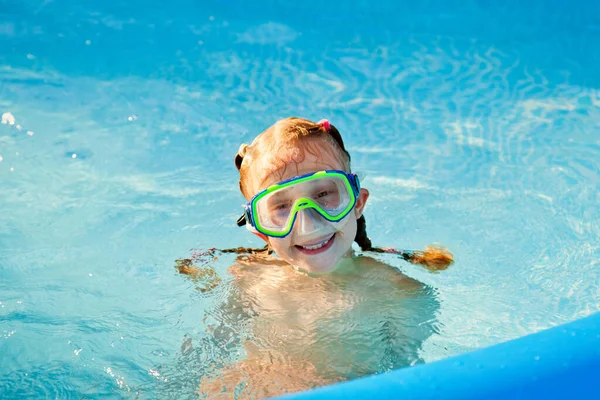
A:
561	362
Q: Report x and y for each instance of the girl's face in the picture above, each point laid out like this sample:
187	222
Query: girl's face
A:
315	244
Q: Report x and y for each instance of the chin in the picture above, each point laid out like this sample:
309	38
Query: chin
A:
321	264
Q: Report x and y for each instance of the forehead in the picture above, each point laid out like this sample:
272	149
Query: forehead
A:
277	167
307	188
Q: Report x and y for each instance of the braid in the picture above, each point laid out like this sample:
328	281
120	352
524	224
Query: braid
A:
361	235
433	258
365	243
249	250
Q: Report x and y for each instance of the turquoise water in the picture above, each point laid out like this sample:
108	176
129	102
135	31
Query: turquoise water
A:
475	124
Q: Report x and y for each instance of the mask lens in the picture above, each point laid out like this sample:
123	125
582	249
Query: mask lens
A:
330	195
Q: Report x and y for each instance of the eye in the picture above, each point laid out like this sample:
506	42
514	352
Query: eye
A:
321	194
280	207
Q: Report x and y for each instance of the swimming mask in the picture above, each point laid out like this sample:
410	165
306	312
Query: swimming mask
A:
273	211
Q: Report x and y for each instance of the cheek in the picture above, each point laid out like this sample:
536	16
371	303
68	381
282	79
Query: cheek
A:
280	246
350	230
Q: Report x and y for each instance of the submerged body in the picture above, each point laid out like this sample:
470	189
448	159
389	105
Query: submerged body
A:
302	331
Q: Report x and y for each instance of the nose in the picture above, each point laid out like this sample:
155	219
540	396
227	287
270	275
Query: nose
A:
308	221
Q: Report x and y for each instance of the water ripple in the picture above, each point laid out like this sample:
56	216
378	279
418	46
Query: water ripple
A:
484	142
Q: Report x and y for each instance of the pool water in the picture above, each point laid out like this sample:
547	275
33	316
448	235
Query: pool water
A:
475	124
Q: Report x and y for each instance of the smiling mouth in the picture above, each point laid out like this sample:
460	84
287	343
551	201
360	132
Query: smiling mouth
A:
317	248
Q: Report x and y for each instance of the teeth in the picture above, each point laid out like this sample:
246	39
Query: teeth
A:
318	245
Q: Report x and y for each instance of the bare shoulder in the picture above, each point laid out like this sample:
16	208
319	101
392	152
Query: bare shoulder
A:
385	272
253	262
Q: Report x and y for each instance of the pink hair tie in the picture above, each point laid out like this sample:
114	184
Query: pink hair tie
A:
325	124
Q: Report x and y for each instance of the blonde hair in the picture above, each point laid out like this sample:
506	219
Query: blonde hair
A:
289	139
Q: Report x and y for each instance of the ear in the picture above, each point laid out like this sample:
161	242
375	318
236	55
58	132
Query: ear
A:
361	202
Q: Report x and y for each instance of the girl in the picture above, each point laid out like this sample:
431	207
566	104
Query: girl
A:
280	171
310	310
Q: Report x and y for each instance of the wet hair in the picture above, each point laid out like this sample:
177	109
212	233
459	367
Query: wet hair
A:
293	134
294	137
289	139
